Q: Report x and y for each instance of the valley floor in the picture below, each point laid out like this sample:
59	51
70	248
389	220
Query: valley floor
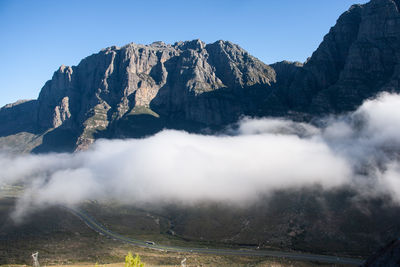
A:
156	260
64	240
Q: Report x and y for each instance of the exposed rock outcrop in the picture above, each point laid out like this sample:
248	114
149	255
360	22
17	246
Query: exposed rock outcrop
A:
137	90
357	59
119	88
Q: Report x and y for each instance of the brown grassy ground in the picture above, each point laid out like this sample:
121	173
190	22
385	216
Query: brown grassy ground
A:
64	240
152	259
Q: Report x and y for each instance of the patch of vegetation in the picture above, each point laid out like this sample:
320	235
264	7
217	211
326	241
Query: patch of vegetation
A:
142	110
131	261
21	142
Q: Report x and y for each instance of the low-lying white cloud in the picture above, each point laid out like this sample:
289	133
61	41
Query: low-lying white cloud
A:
359	150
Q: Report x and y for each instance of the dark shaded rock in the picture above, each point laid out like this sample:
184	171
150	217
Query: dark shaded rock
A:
389	256
357	59
18	117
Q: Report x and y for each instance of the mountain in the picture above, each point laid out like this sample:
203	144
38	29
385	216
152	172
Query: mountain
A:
137	90
358	58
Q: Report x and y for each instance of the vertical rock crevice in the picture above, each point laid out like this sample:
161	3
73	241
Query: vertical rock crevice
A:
397	3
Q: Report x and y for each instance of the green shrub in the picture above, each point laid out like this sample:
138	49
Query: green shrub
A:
131	261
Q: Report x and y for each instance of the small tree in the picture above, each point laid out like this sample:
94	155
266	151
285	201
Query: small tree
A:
131	261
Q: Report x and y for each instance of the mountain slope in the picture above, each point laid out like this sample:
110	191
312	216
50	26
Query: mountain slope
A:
358	58
137	90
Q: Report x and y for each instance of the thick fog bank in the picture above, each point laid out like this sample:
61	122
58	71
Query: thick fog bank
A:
358	150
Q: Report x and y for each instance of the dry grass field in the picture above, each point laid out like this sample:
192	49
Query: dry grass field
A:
64	240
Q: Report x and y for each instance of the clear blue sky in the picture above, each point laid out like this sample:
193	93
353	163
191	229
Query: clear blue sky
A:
36	37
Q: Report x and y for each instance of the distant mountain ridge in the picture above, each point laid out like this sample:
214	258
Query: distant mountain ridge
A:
137	90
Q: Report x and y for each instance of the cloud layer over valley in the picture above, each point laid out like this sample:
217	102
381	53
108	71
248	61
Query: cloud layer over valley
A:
358	150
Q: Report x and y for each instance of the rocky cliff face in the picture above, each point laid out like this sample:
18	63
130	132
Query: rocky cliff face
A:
358	58
136	90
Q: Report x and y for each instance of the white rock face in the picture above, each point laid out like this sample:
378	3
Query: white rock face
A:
61	112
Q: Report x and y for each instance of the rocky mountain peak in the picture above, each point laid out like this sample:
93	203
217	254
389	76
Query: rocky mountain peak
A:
137	90
158	43
168	82
193	45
